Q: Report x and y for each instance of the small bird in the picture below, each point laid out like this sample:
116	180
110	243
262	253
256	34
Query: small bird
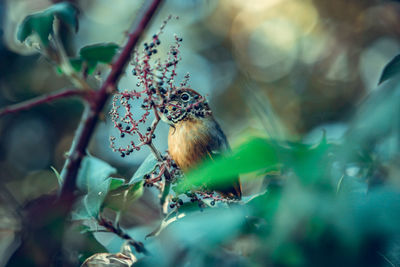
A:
195	136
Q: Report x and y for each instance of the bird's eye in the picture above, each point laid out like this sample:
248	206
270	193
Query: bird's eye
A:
185	97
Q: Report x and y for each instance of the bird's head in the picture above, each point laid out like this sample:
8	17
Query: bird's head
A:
184	104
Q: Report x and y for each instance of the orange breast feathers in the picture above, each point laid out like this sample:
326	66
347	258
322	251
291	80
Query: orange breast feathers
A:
188	142
195	139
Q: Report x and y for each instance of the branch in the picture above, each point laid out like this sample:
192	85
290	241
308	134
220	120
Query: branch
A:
139	247
40	100
92	111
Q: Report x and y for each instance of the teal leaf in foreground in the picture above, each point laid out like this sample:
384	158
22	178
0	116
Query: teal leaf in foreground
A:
391	69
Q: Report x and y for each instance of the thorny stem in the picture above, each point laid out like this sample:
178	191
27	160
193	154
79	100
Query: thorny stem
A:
41	100
92	111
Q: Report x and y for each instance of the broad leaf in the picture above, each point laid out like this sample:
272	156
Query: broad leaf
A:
391	69
93	180
41	23
103	52
146	167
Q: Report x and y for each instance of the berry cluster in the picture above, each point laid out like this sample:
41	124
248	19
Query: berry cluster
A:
155	90
155	86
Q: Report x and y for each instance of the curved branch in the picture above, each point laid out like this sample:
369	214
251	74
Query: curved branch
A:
28	104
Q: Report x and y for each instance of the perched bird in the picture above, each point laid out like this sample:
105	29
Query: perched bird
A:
194	135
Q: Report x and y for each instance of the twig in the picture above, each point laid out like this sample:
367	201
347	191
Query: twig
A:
167	176
40	100
139	247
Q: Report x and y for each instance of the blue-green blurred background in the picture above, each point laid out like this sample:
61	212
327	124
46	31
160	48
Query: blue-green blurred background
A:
303	64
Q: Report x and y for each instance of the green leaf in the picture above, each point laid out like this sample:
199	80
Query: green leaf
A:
146	167
41	23
122	195
254	155
103	52
93	171
391	69
93	180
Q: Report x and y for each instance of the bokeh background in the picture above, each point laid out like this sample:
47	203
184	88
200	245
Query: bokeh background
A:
298	65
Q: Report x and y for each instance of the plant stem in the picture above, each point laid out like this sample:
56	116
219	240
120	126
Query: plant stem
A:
92	111
40	100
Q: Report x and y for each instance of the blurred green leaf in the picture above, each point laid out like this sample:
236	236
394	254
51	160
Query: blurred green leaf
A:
310	162
41	23
59	178
103	52
253	155
121	195
391	69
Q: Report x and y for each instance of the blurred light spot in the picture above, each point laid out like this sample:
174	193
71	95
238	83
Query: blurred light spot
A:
254	5
352	171
374	58
333	131
314	47
273	48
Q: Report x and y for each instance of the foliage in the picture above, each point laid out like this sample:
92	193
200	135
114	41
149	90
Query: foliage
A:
325	204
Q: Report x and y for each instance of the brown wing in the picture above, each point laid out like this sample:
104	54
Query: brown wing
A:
218	145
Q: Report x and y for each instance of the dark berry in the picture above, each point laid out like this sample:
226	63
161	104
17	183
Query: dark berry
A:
154	51
119	125
154	36
151	45
149	53
173	108
180	39
134	72
212	203
172	205
122	135
127	128
153	136
180	202
148	129
174	53
122	155
158	42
